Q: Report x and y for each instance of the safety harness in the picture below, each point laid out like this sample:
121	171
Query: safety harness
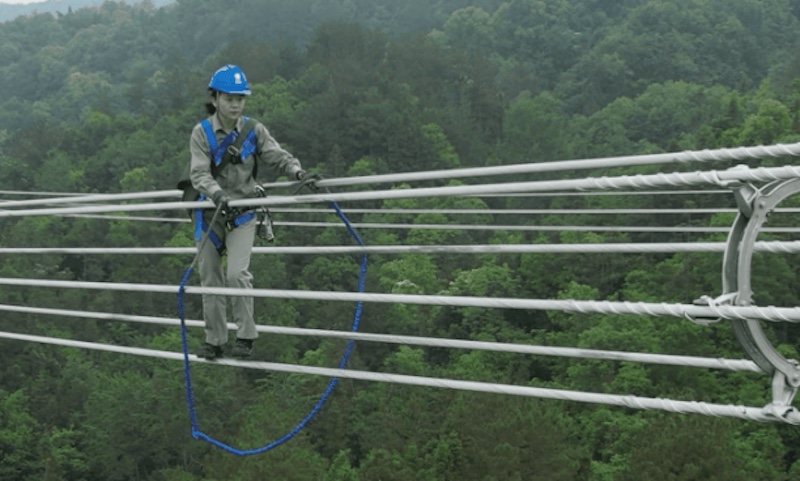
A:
234	148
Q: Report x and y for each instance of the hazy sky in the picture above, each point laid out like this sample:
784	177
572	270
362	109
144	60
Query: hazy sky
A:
20	1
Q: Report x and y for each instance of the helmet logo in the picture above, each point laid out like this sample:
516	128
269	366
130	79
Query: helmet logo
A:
237	77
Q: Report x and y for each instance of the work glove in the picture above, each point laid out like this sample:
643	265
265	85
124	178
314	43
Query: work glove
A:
221	199
308	180
304	176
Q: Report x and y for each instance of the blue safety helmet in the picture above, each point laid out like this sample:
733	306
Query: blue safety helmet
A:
229	79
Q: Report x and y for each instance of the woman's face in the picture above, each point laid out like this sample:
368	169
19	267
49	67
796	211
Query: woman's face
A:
229	106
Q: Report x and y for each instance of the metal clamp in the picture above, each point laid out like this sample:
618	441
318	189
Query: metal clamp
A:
723	300
755	205
783	394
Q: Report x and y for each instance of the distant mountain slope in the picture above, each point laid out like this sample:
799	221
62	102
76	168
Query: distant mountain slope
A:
10	12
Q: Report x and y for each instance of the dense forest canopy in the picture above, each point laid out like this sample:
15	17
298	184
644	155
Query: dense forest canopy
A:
102	99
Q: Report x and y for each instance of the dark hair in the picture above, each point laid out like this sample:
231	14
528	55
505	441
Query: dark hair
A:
209	105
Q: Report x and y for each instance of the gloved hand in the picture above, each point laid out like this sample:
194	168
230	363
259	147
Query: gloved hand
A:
307	178
221	199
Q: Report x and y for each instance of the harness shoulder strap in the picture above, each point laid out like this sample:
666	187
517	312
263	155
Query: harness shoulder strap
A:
233	147
211	138
246	143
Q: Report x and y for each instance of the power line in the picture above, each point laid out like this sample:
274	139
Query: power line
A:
685	311
662	359
719	178
765	414
774	247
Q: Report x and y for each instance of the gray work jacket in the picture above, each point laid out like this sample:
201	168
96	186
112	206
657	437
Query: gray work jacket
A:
236	179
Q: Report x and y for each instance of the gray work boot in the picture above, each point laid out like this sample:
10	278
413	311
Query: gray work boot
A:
209	352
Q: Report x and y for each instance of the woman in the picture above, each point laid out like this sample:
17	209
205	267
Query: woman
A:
223	168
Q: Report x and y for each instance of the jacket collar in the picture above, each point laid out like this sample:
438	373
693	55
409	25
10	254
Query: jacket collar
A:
216	124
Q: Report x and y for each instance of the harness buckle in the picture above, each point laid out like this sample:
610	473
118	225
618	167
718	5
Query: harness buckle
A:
234	152
230	218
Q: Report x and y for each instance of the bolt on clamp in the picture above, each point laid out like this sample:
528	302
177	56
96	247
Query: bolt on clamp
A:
728	299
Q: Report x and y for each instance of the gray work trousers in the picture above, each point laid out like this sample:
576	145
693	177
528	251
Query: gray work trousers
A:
239	243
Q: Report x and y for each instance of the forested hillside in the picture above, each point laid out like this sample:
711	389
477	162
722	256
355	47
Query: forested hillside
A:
102	100
10	11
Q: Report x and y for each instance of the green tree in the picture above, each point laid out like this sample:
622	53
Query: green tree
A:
536	130
63	457
698	448
470	29
771	122
19	434
514	438
340	469
388	466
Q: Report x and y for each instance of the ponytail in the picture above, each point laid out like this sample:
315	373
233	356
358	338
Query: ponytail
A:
210	105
